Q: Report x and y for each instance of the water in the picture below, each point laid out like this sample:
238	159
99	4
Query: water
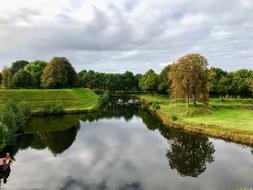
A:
123	148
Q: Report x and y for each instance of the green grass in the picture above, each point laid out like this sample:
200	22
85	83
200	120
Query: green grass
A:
225	118
69	99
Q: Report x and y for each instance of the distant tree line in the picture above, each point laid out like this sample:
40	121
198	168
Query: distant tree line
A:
127	81
188	77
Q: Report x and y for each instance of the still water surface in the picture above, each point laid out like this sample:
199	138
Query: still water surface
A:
123	148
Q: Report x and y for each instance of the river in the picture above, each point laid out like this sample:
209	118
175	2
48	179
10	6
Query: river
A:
123	148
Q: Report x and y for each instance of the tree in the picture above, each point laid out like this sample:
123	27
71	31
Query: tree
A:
59	73
149	81
224	86
17	65
163	86
36	69
23	79
113	82
6	78
1	77
128	81
214	76
240	82
189	78
137	80
88	79
250	83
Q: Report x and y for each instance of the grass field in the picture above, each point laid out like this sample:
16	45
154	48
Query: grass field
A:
69	99
231	116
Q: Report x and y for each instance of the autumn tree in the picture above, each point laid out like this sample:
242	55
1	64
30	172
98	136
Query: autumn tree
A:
6	77
149	81
189	78
59	73
36	69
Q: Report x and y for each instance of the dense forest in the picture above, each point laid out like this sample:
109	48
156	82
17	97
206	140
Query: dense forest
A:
59	73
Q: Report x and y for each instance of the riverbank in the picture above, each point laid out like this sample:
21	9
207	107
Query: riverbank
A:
230	119
70	100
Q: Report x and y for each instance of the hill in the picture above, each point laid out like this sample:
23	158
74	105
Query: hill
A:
69	99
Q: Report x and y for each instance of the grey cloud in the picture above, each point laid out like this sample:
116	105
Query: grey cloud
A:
24	14
157	31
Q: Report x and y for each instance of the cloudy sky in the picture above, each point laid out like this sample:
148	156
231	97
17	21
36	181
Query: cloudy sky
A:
135	35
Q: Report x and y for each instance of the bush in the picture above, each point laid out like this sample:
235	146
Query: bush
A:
13	119
173	118
58	110
155	107
104	99
26	109
52	108
3	135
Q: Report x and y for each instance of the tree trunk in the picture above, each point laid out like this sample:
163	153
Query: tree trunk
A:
194	100
187	101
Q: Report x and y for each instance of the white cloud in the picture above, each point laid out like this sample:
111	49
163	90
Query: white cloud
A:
127	35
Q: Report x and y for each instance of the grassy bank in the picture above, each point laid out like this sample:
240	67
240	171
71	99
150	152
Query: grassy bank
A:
70	99
230	119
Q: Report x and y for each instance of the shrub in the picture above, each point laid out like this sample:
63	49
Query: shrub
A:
52	108
104	99
13	119
26	109
58	110
47	108
173	118
155	106
3	135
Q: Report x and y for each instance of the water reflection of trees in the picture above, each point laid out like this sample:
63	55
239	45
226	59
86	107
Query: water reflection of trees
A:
57	141
114	111
60	141
72	183
189	154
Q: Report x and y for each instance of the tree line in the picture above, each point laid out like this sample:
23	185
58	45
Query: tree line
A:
58	73
188	77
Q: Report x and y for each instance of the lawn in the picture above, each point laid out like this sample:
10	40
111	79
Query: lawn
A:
231	116
69	99
228	118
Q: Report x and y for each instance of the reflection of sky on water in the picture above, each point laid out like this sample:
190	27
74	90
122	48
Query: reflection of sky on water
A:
115	154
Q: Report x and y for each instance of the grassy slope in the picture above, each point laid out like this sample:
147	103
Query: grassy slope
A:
70	99
221	116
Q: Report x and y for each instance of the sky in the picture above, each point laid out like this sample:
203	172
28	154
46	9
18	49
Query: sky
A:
120	35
